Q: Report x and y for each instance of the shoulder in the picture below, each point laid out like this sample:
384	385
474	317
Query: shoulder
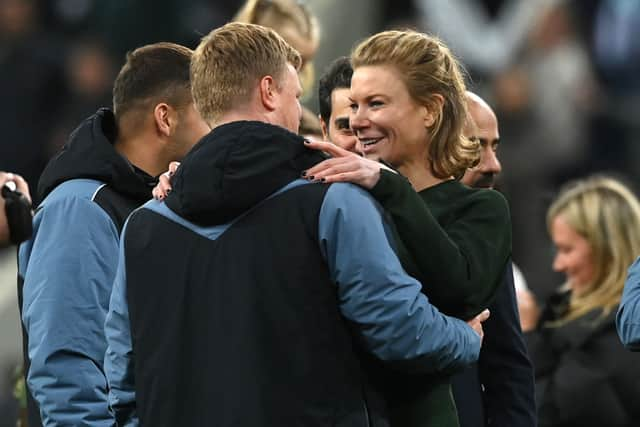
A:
488	198
86	189
73	204
346	196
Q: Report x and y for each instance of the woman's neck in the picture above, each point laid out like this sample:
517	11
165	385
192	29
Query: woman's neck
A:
420	175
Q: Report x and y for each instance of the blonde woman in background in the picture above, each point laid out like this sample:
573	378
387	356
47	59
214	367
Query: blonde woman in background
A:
584	376
295	23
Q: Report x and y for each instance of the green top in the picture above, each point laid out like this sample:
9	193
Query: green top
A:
454	239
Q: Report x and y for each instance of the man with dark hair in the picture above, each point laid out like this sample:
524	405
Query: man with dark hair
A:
268	277
335	105
66	270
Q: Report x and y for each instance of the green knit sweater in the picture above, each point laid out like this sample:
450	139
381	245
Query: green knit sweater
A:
456	241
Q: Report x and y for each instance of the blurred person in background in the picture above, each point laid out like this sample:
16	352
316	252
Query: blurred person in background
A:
493	31
408	103
295	23
106	169
584	376
90	71
544	100
611	31
32	85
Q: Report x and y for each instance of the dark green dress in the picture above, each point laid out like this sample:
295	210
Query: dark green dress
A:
456	241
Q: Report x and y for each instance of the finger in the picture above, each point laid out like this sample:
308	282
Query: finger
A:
324	165
483	316
4	178
329	148
173	167
165	180
354	177
22	186
158	192
340	169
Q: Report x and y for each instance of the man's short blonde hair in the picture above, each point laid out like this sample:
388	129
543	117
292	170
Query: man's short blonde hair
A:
230	61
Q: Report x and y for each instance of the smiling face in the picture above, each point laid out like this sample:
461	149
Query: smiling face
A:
388	123
574	255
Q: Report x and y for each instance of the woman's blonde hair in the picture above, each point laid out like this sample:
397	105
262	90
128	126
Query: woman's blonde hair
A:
428	68
283	15
607	214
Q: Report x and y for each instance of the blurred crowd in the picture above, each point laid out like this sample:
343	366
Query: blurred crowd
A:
563	77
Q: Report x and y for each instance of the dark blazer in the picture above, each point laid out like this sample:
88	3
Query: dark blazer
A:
584	375
504	371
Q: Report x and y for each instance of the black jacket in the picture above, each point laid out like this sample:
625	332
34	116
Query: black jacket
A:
243	329
584	375
499	390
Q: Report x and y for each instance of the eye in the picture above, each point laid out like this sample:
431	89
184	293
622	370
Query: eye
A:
354	107
494	147
375	103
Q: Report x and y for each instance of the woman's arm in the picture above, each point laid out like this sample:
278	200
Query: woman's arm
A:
460	267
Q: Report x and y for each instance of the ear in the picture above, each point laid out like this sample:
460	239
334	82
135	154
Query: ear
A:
164	119
325	129
434	110
268	92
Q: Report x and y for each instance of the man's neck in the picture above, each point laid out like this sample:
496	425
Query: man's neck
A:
142	154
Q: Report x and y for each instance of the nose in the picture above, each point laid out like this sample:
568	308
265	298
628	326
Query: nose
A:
558	263
357	120
489	162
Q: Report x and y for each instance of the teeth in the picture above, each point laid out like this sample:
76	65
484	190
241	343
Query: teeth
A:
369	141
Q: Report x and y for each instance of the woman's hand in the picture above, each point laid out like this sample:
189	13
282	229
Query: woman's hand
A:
163	188
344	166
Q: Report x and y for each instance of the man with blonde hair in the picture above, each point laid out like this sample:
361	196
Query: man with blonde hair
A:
266	278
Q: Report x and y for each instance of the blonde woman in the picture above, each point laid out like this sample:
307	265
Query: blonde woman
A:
293	21
409	109
584	376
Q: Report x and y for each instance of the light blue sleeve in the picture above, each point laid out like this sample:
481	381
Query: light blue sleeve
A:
628	317
118	363
394	319
68	270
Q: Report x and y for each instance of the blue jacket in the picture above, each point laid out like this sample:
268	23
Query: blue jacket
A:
66	272
391	317
628	317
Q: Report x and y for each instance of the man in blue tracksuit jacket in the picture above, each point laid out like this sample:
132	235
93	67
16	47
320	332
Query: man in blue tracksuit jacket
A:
66	270
269	290
628	317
